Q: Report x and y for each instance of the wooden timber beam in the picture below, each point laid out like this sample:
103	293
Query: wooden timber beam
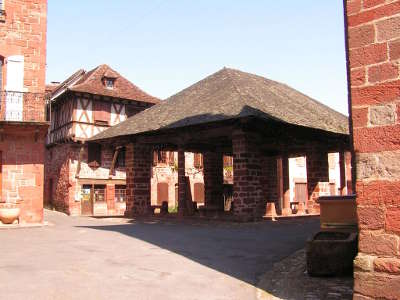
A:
114	160
78	168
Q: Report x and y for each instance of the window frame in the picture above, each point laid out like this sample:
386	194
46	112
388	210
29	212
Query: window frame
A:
94	155
120	161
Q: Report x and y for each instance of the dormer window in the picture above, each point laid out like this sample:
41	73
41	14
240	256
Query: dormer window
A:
109	83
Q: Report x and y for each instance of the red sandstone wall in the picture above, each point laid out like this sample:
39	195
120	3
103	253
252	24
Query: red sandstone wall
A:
374	52
22	171
57	169
24	33
61	167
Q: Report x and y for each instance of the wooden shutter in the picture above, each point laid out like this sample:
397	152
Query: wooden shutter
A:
171	159
120	163
102	111
198	160
15	86
300	192
155	158
94	155
15	73
228	161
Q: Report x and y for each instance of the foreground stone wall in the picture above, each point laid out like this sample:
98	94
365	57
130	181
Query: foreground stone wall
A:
22	159
374	54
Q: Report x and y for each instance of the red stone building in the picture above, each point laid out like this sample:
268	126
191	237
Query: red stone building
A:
373	44
82	179
259	122
23	123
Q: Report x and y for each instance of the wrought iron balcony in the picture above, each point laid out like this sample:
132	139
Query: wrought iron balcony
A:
22	107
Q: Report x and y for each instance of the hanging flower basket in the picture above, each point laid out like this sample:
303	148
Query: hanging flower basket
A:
9	213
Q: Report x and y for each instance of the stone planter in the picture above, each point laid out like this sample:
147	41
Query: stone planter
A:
338	212
9	213
331	253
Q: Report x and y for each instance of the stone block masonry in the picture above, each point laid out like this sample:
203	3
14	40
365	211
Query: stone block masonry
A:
23	32
374	59
213	179
138	179
22	161
248	198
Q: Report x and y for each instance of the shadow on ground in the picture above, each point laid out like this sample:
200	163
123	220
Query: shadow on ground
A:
243	251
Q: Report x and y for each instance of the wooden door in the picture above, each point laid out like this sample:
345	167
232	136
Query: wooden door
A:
162	192
87	200
199	192
300	192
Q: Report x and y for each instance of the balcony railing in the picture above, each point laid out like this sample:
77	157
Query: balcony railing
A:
22	107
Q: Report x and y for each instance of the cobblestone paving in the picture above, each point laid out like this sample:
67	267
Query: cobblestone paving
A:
288	279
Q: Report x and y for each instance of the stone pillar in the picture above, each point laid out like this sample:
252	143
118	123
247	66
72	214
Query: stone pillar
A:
248	199
138	161
317	176
283	187
213	179
110	196
342	170
181	184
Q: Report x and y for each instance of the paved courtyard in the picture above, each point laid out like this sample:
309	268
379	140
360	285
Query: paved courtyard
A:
88	258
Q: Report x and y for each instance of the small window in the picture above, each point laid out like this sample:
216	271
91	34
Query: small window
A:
120	193
228	161
99	192
109	83
94	155
159	157
198	160
120	163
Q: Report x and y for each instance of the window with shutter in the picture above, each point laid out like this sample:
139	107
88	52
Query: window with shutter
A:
120	163
102	112
14	87
228	161
171	159
155	158
15	73
94	155
198	160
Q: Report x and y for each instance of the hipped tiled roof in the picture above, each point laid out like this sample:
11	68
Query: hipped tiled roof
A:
229	94
92	82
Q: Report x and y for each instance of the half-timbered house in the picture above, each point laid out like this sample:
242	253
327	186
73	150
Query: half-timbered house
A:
82	179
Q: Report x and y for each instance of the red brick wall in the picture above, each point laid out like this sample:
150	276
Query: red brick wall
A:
22	170
373	47
24	33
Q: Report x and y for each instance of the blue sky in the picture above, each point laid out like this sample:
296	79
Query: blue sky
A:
164	46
